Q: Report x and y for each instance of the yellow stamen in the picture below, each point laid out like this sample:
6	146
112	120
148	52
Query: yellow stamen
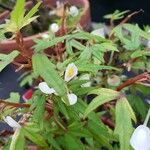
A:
70	72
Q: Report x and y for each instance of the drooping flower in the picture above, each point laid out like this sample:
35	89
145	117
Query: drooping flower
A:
73	11
72	99
54	27
99	32
140	139
11	122
114	80
45	88
71	72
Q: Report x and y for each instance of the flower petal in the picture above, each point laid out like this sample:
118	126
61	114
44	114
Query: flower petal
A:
71	72
72	98
140	139
45	88
11	122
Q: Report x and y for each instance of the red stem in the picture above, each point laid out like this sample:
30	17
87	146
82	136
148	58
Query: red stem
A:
143	76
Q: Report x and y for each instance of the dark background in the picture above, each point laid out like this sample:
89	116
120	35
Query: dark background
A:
99	8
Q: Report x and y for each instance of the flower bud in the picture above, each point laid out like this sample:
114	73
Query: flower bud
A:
72	99
73	11
54	27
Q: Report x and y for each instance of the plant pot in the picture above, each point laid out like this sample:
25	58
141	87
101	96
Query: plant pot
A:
6	46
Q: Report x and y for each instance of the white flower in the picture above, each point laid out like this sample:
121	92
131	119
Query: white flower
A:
72	98
99	32
45	88
54	27
12	123
45	36
140	139
71	72
114	80
73	11
85	77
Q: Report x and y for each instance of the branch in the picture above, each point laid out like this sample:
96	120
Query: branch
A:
23	105
143	77
59	123
18	105
108	122
130	16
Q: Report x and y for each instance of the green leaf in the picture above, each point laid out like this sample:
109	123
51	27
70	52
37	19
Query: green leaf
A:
104	95
62	108
14	97
100	134
73	143
98	50
7	59
18	12
130	42
50	75
18	140
77	45
32	12
83	91
53	142
39	111
81	35
44	44
140	53
69	47
107	47
116	15
93	67
123	127
139	106
35	137
26	80
25	23
148	65
85	55
17	20
132	27
143	89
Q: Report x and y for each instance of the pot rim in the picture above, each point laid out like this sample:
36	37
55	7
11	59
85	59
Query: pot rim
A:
86	9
